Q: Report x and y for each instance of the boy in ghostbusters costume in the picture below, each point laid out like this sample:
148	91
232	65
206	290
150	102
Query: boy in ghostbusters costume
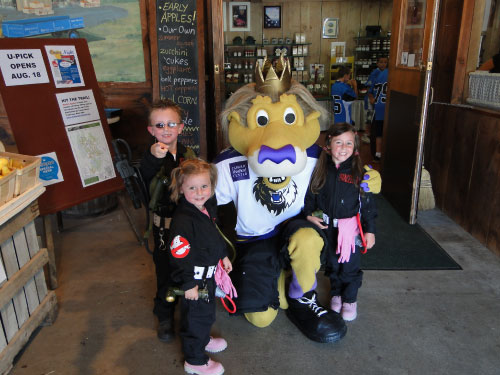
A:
272	126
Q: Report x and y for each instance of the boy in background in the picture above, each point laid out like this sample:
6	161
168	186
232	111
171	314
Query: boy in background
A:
344	91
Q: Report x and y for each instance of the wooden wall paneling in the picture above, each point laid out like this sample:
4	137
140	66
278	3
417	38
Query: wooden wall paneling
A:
439	144
310	24
256	28
290	19
396	11
386	15
349	23
465	57
272	32
134	102
332	10
400	78
427	31
493	239
145	11
485	178
202	103
215	84
463	157
460	170
446	49
256	25
308	16
153	46
376	13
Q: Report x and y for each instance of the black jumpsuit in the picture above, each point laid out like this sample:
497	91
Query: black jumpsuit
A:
150	166
196	246
340	199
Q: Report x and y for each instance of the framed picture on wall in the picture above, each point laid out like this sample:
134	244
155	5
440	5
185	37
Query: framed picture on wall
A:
272	17
330	28
415	14
239	15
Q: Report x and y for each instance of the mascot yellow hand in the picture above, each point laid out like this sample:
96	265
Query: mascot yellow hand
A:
304	248
372	183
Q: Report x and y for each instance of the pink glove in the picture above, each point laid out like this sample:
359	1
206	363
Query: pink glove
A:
346	241
223	281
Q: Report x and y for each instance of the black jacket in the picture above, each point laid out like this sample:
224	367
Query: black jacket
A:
151	165
206	245
339	198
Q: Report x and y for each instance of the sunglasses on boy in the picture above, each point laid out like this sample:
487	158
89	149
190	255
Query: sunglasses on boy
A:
169	124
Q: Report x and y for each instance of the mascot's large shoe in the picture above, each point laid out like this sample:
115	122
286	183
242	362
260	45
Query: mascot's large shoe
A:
317	323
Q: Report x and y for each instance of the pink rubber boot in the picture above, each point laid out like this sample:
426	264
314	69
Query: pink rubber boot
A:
336	304
210	368
216	345
349	311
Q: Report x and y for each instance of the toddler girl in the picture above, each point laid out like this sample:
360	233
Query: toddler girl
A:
196	246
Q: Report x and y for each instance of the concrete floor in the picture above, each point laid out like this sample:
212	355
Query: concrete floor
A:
416	322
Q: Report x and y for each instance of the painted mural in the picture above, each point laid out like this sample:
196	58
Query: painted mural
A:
112	29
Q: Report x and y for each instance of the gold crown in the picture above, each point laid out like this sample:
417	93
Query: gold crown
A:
277	81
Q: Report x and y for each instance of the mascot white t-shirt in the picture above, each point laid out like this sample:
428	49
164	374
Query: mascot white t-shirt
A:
269	208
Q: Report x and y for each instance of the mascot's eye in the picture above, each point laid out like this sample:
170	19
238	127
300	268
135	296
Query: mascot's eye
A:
289	116
262	118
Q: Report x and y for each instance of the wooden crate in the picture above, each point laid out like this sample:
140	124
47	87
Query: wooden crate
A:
27	170
25	301
7	187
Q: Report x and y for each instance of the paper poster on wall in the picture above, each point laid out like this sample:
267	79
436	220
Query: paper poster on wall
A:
91	152
65	66
77	107
23	67
50	171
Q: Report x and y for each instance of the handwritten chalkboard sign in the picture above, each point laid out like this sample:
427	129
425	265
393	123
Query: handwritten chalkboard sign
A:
178	65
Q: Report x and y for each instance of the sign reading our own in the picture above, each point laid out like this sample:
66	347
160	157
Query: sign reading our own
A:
22	67
178	63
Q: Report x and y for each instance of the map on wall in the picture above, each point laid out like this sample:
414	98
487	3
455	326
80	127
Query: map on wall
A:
112	29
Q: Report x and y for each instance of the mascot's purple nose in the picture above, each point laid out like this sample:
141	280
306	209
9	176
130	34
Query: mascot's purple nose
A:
277	156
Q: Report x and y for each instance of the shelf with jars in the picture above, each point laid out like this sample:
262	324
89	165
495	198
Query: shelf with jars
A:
240	60
366	54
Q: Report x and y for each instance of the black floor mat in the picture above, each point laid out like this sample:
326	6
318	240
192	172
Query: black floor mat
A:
401	246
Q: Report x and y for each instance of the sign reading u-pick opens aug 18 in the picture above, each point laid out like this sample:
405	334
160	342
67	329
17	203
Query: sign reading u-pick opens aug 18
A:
23	67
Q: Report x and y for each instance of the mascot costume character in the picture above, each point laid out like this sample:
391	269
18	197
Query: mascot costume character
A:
272	126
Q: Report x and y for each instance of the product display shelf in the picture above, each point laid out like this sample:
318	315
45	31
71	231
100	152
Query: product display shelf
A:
336	63
240	60
366	54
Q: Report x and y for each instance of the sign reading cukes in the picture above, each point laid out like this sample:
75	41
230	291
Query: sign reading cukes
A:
176	23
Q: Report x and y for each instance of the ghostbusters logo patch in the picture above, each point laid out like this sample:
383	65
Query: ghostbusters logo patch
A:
179	247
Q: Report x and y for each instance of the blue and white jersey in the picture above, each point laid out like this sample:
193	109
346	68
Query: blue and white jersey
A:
342	97
238	183
379	92
369	83
372	77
